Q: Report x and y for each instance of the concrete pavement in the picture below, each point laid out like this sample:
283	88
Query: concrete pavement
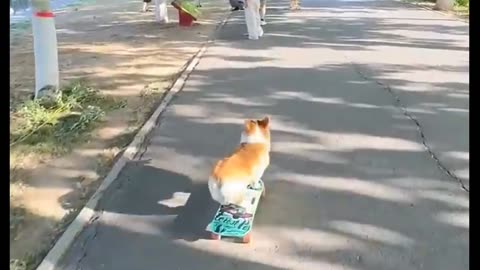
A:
351	184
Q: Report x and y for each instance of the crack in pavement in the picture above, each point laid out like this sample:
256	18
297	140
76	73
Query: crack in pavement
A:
89	239
398	103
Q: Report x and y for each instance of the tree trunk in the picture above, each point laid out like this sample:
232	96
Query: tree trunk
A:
446	5
45	48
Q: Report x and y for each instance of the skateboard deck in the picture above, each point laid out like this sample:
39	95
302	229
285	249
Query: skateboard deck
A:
237	221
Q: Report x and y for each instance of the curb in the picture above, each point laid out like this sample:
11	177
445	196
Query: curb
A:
87	214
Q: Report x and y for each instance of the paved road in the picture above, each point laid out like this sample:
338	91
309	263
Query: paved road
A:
351	184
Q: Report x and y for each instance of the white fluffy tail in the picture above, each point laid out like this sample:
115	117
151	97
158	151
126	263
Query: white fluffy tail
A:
232	192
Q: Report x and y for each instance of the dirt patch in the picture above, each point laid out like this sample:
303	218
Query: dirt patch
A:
126	56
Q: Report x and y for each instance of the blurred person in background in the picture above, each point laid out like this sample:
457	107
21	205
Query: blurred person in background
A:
263	11
237	5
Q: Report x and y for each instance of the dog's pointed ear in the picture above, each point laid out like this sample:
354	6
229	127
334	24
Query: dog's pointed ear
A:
265	122
249	124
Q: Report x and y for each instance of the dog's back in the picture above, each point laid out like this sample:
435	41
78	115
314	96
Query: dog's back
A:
230	177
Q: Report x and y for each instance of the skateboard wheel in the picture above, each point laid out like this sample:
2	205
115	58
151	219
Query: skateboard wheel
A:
215	236
247	238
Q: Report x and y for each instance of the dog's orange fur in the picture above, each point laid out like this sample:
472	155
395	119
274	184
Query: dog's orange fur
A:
248	161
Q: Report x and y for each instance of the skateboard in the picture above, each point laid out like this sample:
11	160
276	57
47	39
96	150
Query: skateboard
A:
237	220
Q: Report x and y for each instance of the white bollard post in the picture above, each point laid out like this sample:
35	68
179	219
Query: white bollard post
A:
161	11
45	46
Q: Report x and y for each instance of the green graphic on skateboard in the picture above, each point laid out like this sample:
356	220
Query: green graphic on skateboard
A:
187	7
237	221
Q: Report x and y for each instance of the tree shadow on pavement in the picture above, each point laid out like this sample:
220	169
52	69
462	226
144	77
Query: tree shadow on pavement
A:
350	185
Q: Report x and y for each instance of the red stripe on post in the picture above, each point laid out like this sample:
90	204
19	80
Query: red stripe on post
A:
44	14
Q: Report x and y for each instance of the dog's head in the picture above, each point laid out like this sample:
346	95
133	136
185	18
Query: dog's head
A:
256	131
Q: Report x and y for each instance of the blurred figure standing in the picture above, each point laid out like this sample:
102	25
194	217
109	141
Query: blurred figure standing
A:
252	19
237	5
294	4
263	11
145	5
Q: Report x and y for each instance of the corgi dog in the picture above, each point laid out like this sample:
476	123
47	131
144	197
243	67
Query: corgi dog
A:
231	176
